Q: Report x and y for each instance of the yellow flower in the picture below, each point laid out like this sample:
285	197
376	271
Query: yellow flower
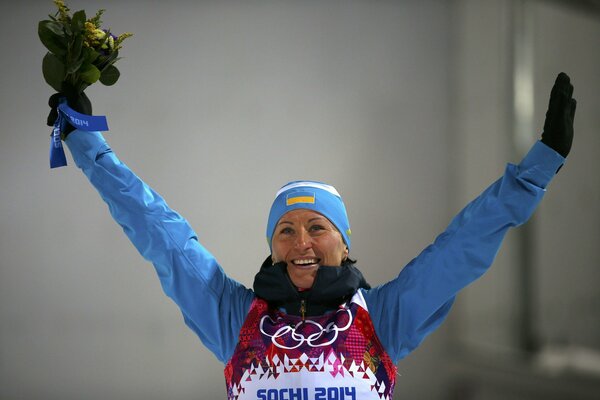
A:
98	34
63	10
96	19
89	27
120	39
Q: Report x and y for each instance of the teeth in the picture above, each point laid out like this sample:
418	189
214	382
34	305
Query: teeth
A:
305	262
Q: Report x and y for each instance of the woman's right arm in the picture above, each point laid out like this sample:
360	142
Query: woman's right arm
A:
213	305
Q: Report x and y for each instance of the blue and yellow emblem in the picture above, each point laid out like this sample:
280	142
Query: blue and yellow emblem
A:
300	197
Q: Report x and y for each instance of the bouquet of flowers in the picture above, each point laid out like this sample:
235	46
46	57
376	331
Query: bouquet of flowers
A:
80	54
80	51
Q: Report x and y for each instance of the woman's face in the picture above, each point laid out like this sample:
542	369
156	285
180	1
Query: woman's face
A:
304	240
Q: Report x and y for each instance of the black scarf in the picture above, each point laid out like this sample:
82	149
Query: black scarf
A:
332	286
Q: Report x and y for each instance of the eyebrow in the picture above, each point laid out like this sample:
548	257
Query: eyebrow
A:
310	220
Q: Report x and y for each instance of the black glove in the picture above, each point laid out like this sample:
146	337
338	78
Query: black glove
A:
77	101
558	127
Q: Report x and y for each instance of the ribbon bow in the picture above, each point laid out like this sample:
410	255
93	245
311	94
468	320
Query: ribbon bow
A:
66	115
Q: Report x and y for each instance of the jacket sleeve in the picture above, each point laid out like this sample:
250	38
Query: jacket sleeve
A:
213	305
412	305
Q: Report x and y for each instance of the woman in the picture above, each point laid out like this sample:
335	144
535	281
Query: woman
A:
312	328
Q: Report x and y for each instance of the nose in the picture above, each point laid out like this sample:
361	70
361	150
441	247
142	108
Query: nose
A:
303	240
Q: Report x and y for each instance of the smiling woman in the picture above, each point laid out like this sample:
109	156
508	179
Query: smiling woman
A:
305	240
311	324
305	236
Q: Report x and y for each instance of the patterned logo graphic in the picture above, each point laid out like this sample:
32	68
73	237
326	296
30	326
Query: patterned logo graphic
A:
336	355
310	332
328	369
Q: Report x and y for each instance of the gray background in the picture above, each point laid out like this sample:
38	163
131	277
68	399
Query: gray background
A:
407	107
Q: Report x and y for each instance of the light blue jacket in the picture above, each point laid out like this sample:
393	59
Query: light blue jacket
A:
404	310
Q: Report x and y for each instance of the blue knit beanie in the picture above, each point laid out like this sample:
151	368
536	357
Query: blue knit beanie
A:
311	195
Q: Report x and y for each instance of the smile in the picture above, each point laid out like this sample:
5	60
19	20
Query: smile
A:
305	262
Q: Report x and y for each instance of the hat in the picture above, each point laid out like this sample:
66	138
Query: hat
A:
311	195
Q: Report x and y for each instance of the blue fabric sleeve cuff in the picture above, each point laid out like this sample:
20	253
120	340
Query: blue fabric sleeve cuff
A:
85	146
540	165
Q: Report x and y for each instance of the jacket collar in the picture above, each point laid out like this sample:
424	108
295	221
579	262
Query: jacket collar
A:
333	286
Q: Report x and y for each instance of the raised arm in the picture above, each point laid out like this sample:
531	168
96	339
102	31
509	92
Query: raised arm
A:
213	305
411	306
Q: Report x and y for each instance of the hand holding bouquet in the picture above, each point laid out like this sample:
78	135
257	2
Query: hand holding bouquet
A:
80	54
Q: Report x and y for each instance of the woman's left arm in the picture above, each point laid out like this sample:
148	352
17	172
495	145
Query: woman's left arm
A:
411	306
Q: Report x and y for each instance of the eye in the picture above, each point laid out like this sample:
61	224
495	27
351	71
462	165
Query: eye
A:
316	228
286	230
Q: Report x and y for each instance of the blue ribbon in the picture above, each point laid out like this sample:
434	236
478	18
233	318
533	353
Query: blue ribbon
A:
57	153
66	115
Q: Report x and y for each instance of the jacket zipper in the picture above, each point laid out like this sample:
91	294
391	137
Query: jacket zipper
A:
302	308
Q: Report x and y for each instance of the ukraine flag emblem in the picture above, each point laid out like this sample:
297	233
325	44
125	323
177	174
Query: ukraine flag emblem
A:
300	197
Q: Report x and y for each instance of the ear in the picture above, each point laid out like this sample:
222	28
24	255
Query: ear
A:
345	254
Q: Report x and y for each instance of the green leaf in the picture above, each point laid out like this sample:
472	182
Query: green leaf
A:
78	21
78	46
89	73
55	27
105	61
53	70
110	75
68	32
75	65
52	36
75	57
90	54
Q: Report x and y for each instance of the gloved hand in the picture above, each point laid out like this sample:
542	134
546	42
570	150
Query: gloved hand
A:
77	101
558	127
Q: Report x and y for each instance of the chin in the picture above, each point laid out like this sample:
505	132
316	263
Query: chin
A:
303	282
305	285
